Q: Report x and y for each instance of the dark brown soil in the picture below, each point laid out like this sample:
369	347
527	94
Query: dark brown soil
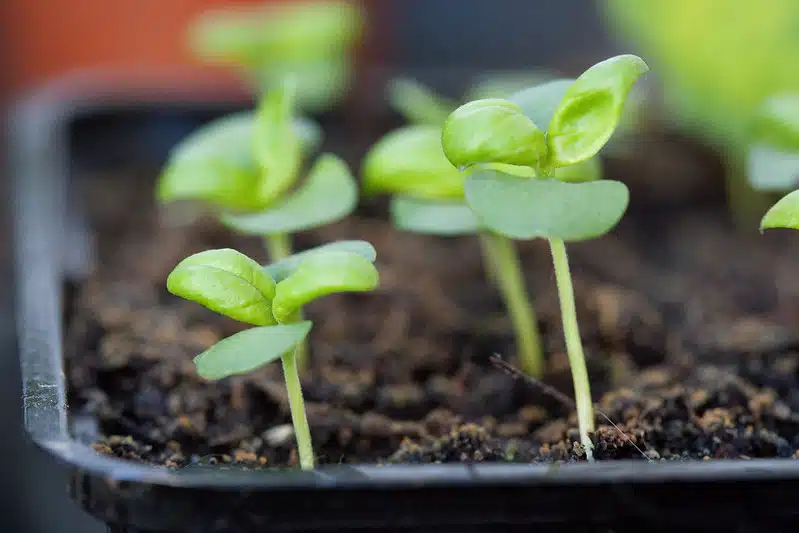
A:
689	326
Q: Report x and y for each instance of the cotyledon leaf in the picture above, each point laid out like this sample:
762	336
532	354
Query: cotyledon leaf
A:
280	270
250	349
322	274
540	102
433	217
783	214
228	282
329	194
547	208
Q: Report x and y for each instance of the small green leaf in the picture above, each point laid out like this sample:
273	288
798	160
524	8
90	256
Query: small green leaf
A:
250	349
591	109
433	217
214	164
278	151
548	208
329	194
321	274
776	123
417	103
783	214
225	281
492	131
410	160
588	170
772	169
540	102
282	269
227	36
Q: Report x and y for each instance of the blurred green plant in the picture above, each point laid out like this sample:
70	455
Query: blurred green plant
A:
234	285
720	62
512	185
311	40
246	169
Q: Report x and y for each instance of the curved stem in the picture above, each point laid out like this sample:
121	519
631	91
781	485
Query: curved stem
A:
574	346
302	432
502	254
278	246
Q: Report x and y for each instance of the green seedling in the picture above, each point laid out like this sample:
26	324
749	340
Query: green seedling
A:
313	41
428	196
512	185
232	284
427	190
246	169
773	155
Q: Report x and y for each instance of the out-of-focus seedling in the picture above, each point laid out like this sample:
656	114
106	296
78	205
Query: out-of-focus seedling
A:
427	190
512	184
773	155
232	284
313	41
246	169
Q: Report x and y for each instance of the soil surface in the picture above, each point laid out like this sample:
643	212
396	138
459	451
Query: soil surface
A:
690	328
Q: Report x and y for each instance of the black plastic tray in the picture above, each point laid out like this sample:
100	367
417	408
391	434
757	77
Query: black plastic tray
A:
756	496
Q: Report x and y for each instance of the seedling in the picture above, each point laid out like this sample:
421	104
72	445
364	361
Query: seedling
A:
245	168
514	189
234	285
313	41
428	199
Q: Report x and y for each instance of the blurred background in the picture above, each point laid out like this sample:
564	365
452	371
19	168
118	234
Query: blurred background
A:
714	63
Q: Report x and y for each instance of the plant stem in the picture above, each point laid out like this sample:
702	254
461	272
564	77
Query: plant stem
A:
502	254
278	246
574	346
302	432
488	261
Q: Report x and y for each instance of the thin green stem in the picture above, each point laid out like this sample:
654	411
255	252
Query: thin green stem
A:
302	432
488	261
502	254
278	246
574	346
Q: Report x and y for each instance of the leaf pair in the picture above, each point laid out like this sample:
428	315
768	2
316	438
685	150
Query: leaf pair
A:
563	198
245	165
556	124
230	283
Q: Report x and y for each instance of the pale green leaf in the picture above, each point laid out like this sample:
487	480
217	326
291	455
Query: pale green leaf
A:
588	170
214	164
417	103
282	269
433	217
278	150
321	274
772	169
320	83
591	109
548	208
250	349
329	194
783	214
492	131
540	102
411	161
225	281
